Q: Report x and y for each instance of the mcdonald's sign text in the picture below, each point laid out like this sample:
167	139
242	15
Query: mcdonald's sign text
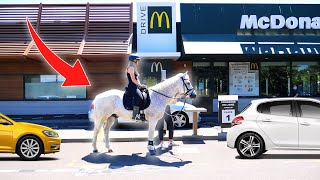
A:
143	18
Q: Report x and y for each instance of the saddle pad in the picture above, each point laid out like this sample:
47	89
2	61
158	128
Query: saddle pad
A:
128	101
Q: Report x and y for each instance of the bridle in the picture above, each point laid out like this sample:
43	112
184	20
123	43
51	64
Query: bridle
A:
188	90
185	87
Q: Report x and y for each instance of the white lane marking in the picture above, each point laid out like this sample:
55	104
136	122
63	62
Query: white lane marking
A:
89	171
8	171
85	171
93	171
64	170
37	170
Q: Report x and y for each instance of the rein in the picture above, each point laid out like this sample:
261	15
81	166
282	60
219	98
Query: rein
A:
163	94
184	103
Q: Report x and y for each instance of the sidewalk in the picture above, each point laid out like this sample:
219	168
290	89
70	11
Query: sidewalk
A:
76	135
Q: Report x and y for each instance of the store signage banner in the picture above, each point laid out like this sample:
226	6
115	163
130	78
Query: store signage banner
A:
244	79
280	48
156	27
279	22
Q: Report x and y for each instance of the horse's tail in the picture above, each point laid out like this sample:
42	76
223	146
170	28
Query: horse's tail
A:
92	114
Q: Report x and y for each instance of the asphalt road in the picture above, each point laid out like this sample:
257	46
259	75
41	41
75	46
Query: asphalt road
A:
195	159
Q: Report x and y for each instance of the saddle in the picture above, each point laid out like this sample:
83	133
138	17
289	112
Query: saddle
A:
128	100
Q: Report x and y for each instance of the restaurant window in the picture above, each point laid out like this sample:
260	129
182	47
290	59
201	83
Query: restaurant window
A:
151	71
220	78
48	87
210	78
275	79
306	78
202	78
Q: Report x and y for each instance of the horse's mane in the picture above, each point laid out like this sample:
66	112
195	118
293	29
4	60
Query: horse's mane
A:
166	82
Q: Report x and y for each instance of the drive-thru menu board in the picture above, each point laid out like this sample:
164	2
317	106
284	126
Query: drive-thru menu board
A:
244	81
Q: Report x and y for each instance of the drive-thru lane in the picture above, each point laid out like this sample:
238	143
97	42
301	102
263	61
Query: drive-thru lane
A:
190	160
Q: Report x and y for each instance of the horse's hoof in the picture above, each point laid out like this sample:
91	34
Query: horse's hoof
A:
95	151
110	150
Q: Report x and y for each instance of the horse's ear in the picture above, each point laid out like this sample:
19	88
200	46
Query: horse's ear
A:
186	72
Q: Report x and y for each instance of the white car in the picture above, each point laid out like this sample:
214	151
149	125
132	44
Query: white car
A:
181	119
277	123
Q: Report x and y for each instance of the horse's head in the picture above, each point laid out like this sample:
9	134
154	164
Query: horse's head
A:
186	86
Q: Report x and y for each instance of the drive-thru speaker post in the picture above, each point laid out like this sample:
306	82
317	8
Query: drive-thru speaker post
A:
227	109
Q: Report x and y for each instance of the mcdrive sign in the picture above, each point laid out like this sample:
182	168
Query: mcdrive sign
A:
279	22
156	27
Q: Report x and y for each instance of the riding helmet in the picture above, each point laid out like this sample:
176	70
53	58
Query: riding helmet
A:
133	57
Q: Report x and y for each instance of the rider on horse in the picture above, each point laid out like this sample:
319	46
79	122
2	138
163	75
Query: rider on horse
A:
134	85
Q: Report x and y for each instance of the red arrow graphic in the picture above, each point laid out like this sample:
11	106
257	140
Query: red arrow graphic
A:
75	75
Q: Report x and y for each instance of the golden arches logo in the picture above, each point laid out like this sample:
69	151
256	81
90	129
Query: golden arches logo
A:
254	66
156	65
159	16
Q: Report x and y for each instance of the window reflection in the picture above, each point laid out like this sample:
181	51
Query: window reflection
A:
48	87
275	79
210	79
306	78
202	77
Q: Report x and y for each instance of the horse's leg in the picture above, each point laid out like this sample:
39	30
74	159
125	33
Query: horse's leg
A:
152	127
107	127
97	127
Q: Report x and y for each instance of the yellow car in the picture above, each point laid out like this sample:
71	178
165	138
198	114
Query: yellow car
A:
28	140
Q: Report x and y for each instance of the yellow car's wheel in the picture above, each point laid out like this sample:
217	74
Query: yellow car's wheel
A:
29	148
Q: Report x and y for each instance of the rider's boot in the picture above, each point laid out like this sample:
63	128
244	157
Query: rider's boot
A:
136	112
142	117
137	115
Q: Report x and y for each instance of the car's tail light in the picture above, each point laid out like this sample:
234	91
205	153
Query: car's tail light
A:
237	120
92	106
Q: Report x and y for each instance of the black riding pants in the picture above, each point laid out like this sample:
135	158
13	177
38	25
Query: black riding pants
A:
166	117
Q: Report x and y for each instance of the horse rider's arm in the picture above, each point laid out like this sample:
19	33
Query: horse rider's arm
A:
174	100
131	72
138	79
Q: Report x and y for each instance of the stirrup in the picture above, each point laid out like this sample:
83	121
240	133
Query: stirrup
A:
136	118
135	112
140	117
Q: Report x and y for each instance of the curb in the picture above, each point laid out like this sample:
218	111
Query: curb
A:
221	137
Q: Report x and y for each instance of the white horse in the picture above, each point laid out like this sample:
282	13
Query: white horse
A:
108	106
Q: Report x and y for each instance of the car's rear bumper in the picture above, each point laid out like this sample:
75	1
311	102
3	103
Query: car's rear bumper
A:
230	140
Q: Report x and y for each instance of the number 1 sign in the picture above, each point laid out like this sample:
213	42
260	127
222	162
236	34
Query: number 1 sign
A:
228	108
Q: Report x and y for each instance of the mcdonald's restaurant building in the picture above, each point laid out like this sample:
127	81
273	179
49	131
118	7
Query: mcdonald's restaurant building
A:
251	50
